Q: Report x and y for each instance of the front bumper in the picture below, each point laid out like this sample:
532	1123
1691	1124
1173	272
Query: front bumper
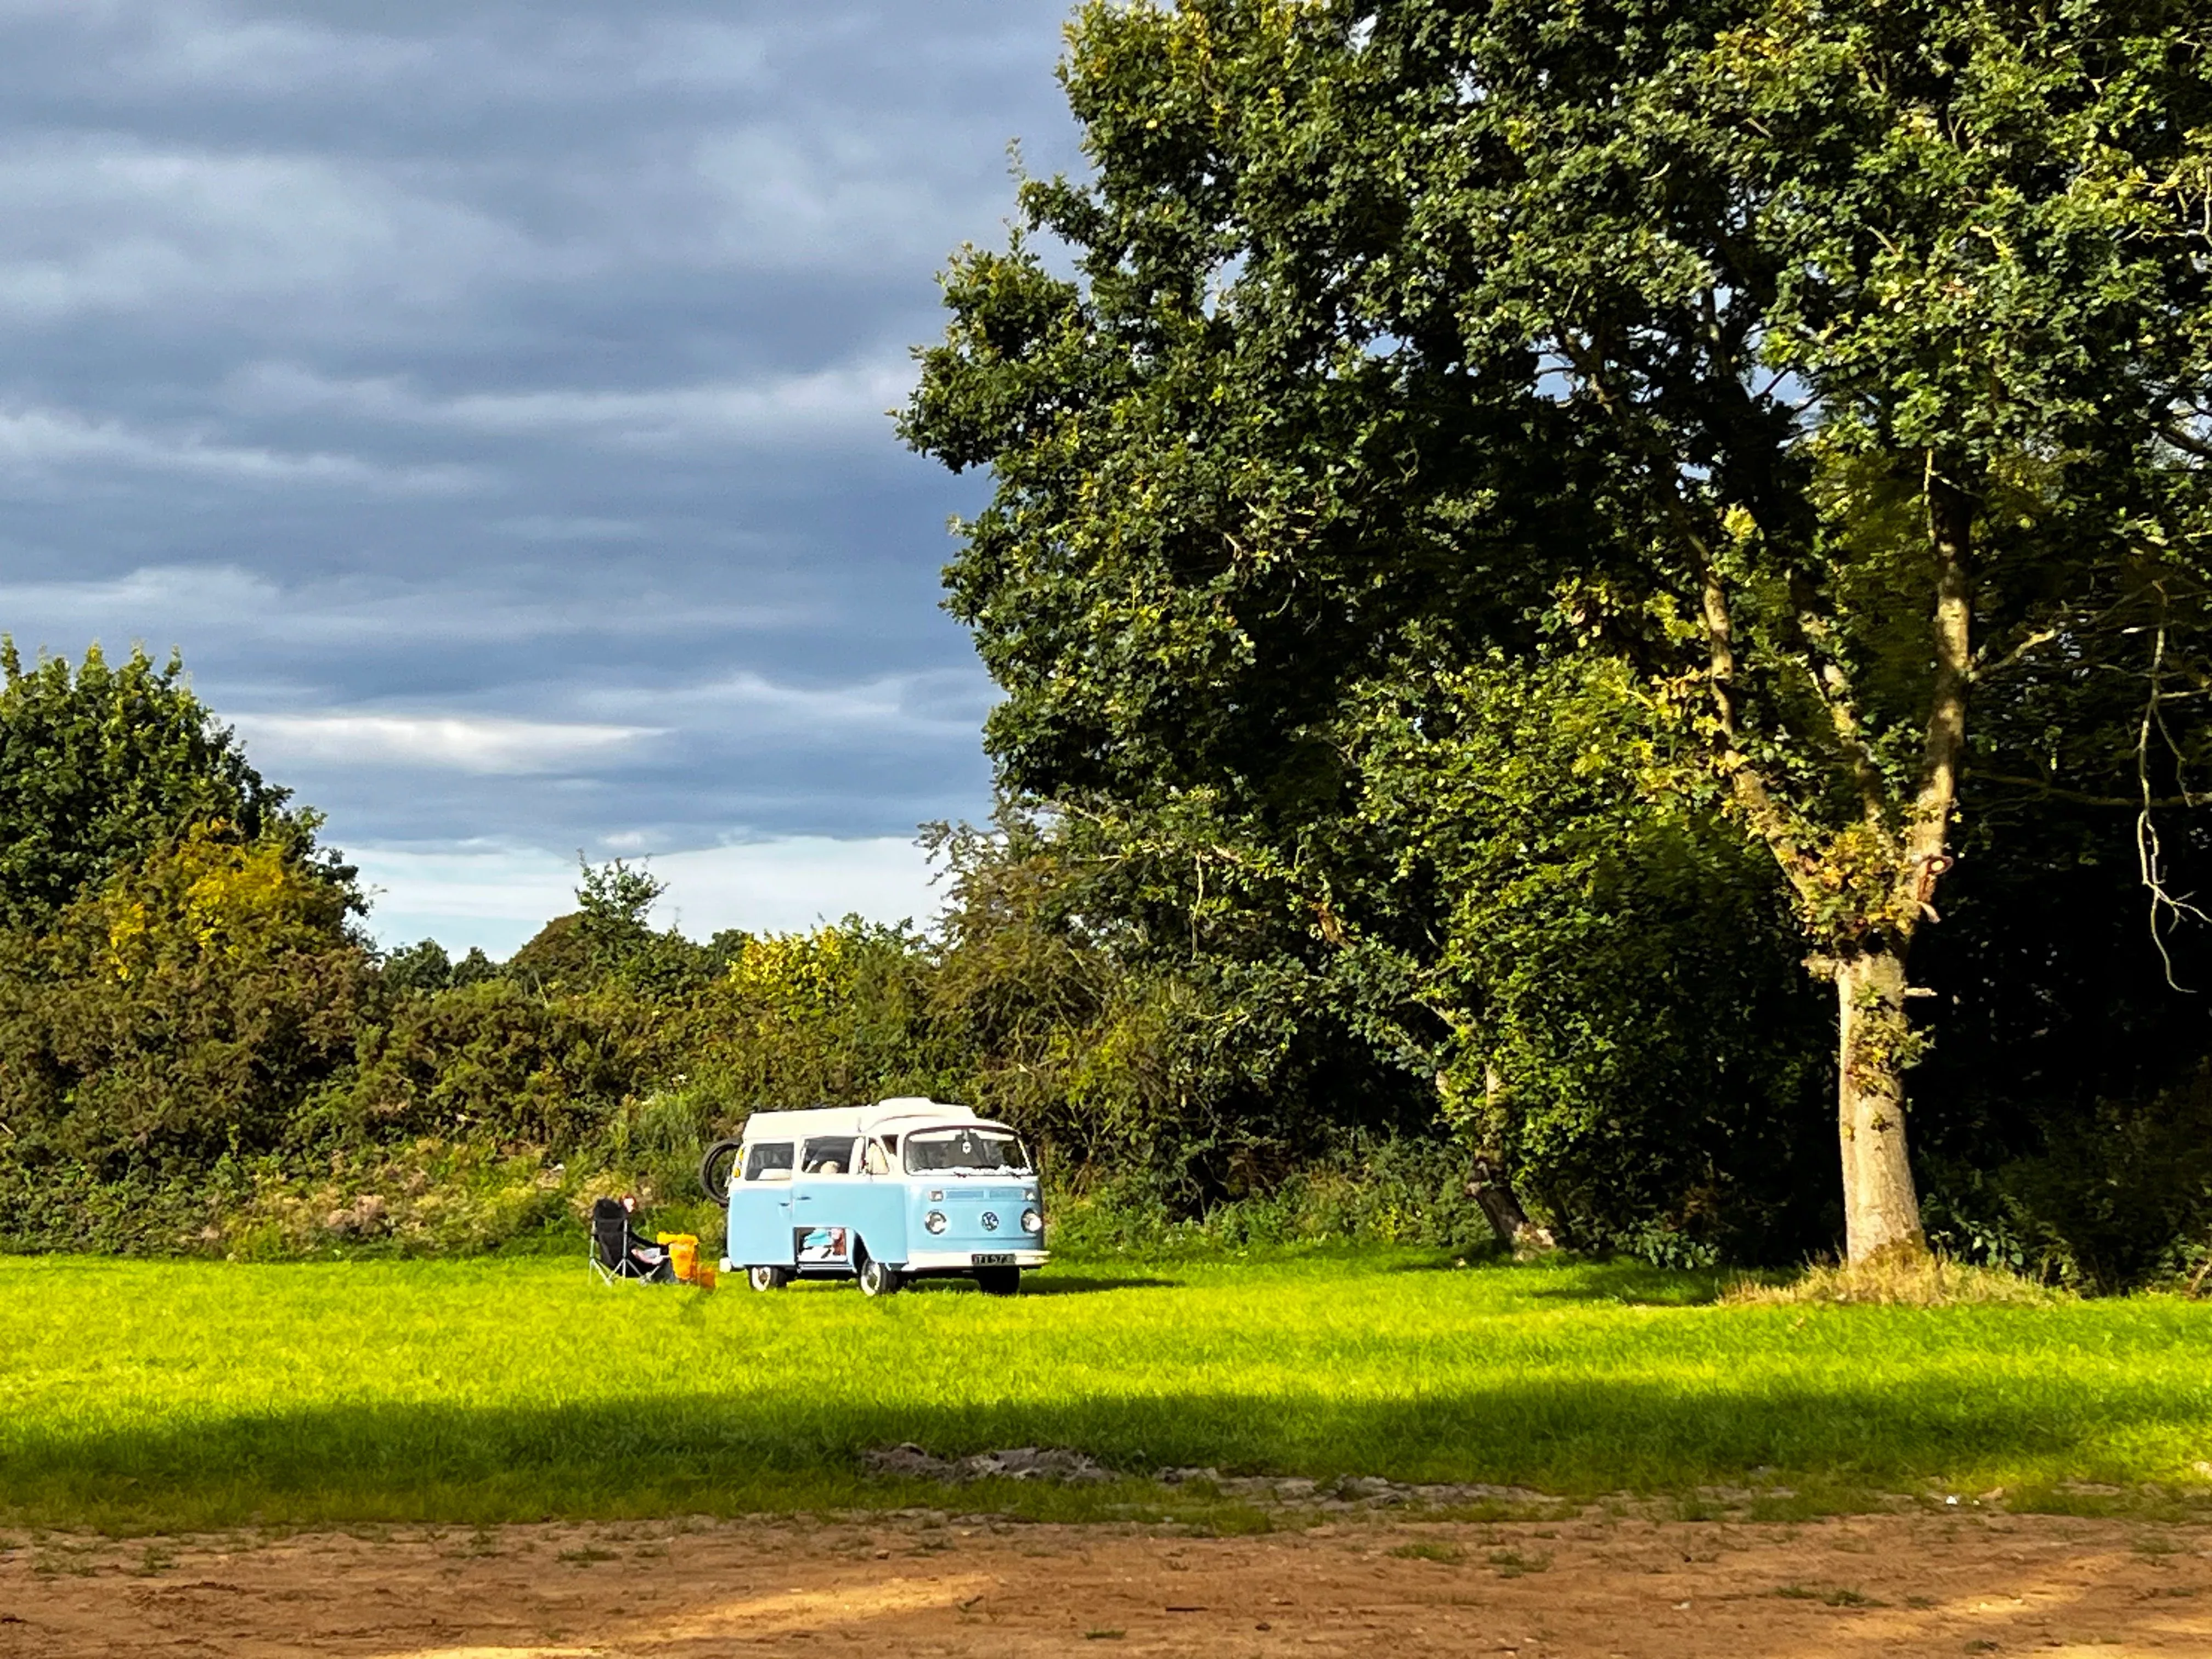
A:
964	1260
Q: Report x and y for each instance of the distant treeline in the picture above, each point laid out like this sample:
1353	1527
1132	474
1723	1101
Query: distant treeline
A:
201	1051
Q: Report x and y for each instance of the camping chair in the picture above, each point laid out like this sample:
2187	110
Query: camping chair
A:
619	1253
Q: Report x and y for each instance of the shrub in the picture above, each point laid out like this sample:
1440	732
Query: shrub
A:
181	1012
497	1061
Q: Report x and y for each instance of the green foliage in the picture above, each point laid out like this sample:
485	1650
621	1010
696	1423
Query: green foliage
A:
1372	1193
183	1010
2115	1196
199	1395
558	954
1139	992
1625	1025
836	1015
496	1060
424	966
100	763
421	1198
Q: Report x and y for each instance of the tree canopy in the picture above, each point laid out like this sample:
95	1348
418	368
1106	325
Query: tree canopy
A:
101	762
1804	406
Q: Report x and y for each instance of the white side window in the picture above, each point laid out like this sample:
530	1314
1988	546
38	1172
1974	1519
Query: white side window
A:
769	1160
828	1155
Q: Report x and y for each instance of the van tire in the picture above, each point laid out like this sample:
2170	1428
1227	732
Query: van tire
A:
714	1184
876	1277
998	1281
768	1278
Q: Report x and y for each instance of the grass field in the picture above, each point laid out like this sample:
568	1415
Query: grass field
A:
177	1395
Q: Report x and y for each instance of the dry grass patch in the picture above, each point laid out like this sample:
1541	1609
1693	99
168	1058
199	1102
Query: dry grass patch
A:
1925	1281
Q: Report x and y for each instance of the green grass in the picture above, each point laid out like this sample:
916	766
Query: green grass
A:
175	1394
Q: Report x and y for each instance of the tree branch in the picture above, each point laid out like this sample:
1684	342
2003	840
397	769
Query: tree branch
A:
2187	442
1950	532
2149	854
2080	798
1832	684
1765	814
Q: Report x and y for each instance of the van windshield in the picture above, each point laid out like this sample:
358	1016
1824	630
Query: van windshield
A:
965	1151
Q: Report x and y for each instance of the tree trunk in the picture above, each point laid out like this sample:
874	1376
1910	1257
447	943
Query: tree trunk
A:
1502	1206
1882	1211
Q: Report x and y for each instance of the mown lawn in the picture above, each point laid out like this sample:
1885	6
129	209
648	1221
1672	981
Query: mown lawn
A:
175	1394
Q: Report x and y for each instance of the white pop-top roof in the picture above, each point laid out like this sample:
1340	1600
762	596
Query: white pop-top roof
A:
855	1120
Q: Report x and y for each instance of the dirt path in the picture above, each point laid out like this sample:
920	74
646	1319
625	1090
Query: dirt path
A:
1891	1585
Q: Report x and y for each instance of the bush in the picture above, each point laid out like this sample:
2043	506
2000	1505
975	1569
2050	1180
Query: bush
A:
182	1011
841	1014
494	1060
2118	1197
1381	1191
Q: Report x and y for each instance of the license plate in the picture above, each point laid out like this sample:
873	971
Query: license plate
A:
1002	1259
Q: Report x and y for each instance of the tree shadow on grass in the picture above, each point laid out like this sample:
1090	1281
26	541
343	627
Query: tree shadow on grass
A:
1627	1283
1636	1285
779	1441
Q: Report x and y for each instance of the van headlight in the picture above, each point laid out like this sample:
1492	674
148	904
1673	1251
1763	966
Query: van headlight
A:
934	1221
1032	1222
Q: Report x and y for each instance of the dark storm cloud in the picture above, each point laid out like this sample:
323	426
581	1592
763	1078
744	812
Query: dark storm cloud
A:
488	401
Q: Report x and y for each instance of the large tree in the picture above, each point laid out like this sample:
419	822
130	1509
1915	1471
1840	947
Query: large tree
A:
1838	374
100	763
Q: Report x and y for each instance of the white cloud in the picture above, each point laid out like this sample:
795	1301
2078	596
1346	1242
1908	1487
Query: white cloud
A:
460	743
178	47
194	47
412	364
496	897
775	409
181	598
42	439
164	605
783	196
111	224
944	702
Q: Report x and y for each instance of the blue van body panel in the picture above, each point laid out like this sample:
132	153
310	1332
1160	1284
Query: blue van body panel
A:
966	1200
873	1206
759	1226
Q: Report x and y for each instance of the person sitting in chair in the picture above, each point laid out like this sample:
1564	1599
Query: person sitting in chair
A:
651	1258
619	1251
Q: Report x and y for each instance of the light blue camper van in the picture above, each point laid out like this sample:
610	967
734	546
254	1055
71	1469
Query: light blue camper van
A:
903	1189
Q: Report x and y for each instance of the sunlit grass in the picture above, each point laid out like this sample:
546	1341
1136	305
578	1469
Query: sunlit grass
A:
195	1394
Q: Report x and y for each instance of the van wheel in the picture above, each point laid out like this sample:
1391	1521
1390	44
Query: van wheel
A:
768	1278
876	1278
998	1281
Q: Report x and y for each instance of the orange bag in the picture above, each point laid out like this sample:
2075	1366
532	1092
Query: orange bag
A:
682	1255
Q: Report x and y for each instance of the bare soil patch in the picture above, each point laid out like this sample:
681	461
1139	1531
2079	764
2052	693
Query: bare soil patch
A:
1913	1583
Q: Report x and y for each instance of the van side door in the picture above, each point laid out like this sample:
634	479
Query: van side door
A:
759	1226
879	1203
821	1212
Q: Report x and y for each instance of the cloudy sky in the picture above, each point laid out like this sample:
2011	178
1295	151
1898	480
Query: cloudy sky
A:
488	400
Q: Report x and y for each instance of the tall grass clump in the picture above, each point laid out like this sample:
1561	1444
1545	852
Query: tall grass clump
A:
1926	1281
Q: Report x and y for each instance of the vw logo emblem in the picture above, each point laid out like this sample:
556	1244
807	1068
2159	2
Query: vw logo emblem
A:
990	1221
